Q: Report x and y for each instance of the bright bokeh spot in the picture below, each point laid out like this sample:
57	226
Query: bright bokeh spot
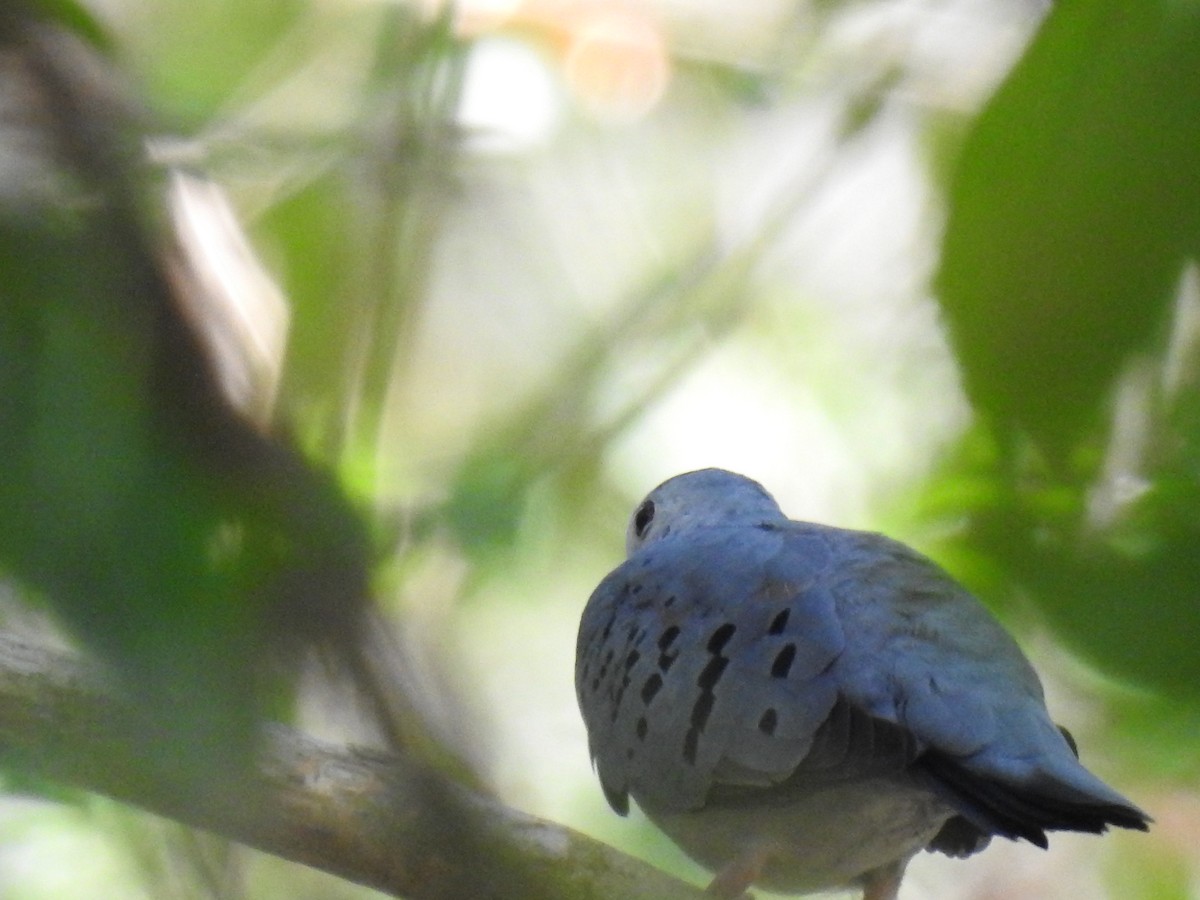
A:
616	62
612	56
509	101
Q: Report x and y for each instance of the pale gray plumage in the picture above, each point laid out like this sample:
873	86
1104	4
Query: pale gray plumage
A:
806	707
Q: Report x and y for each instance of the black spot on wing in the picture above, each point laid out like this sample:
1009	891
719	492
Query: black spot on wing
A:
701	710
711	674
608	625
652	686
720	637
783	661
707	682
665	640
608	658
768	722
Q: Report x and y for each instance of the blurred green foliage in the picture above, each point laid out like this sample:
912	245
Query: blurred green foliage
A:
1073	211
167	532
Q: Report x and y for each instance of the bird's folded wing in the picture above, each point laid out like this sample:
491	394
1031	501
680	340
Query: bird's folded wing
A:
925	654
707	662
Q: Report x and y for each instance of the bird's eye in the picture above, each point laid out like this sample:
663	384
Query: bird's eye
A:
642	518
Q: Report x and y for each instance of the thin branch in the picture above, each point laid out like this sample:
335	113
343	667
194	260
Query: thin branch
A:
376	819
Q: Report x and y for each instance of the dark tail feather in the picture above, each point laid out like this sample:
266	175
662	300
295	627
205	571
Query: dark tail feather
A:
1024	811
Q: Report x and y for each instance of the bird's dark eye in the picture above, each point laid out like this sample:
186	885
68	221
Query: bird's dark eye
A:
642	518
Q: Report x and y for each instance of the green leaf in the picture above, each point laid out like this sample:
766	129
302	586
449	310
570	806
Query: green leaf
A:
1073	206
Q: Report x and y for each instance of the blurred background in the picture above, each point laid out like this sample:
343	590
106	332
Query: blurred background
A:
918	266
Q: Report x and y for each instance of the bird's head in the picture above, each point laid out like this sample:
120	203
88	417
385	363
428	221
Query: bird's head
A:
700	499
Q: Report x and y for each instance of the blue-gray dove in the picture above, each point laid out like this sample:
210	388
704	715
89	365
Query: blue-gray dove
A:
805	708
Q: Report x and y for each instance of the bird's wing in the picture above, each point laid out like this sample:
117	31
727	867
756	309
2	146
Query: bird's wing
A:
922	653
709	663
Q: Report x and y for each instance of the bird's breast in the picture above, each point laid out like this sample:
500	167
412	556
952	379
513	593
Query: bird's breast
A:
819	841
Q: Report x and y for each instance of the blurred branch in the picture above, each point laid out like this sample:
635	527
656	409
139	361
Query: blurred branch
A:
404	171
363	815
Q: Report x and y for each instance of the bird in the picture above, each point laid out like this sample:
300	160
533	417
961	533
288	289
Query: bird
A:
804	708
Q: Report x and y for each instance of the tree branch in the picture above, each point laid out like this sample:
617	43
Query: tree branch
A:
374	818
